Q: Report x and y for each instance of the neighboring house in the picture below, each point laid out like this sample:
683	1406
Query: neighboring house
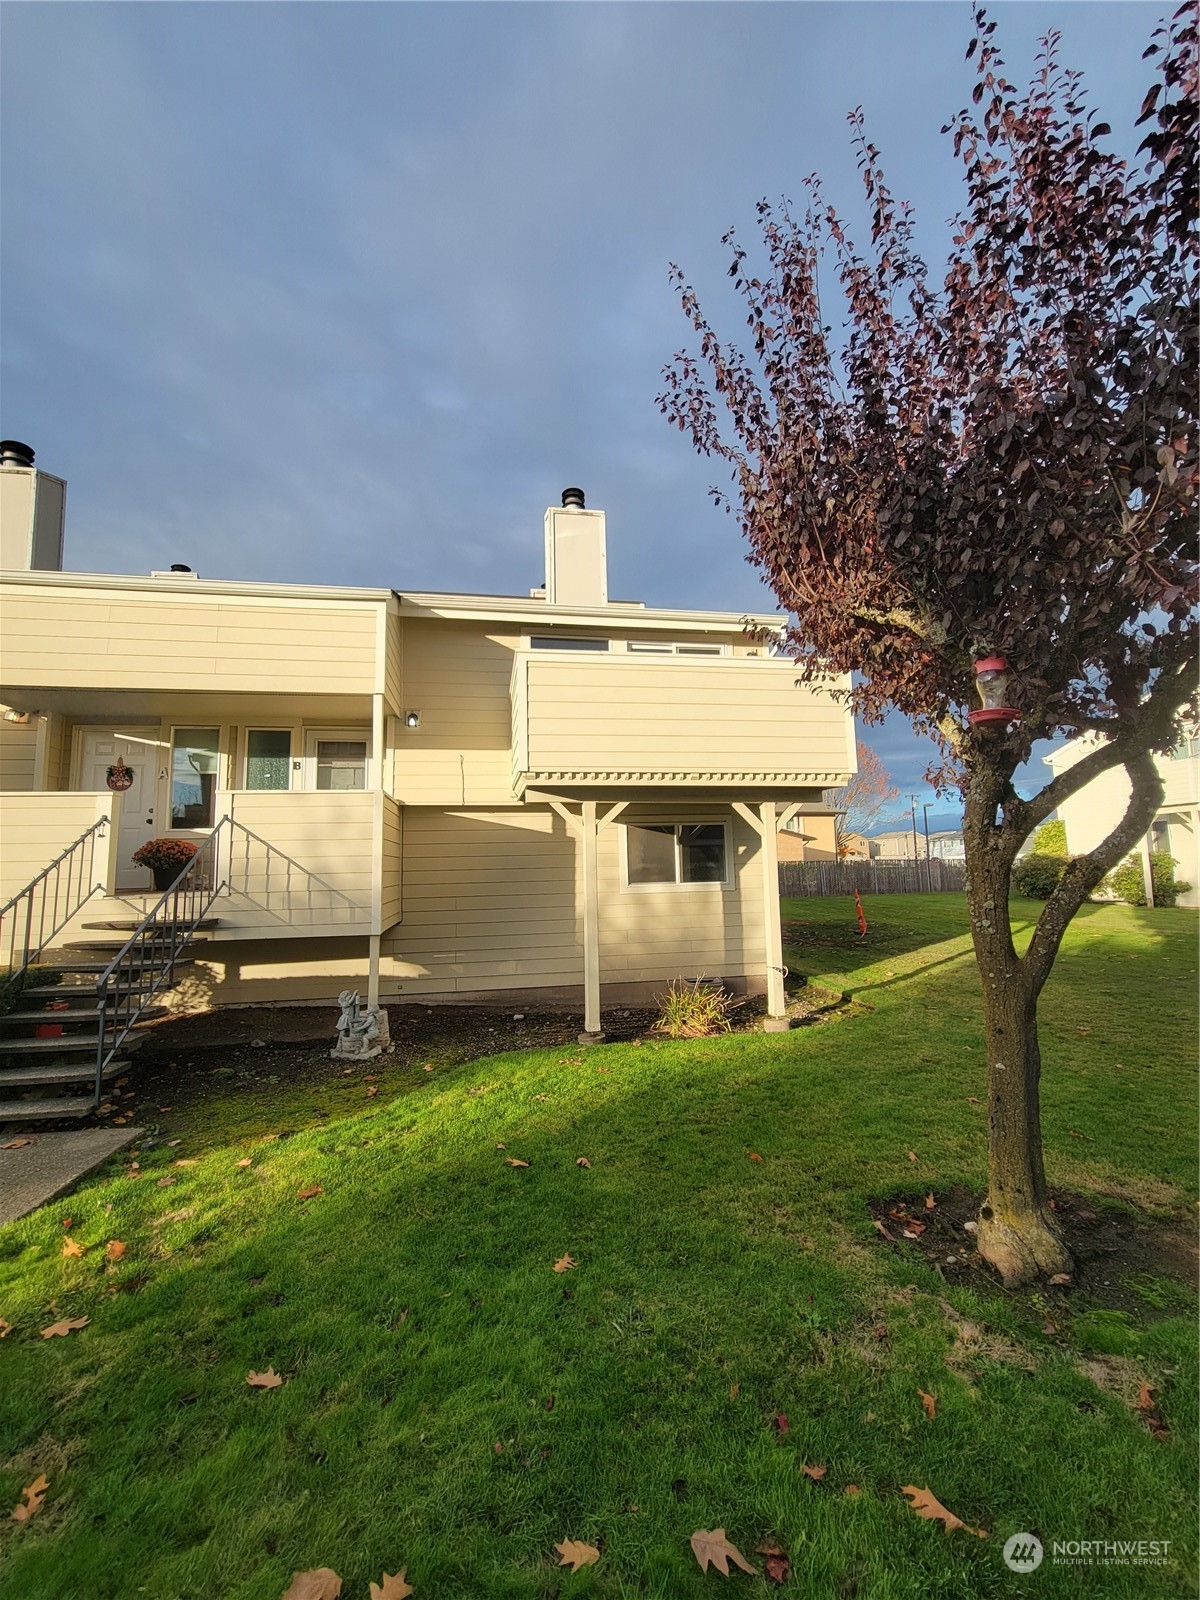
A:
811	835
899	844
857	847
1090	815
444	797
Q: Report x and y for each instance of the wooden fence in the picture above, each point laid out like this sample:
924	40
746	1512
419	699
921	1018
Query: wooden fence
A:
870	877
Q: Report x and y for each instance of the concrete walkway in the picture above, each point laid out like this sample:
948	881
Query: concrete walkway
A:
51	1164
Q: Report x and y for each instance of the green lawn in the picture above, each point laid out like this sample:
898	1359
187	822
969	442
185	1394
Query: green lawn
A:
454	1406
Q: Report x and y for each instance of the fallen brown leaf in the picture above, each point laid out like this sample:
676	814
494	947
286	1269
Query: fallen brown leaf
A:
775	1562
244	1162
513	1161
564	1264
32	1496
15	1144
163	1183
929	1401
754	1156
582	1161
5	1327
71	1248
395	1587
172	1144
734	1390
186	1161
974	1100
574	1553
114	1250
322	1583
307	1194
926	1505
815	1473
930	1202
879	1228
911	1155
913	1229
498	1448
1061	1277
62	1329
269	1379
1149	1411
714	1549
373	1090
780	1423
66	1221
851	1489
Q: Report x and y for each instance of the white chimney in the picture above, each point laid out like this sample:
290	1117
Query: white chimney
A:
576	558
32	511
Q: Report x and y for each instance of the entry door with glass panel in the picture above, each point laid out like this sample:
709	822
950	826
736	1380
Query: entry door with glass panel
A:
195	760
337	759
102	748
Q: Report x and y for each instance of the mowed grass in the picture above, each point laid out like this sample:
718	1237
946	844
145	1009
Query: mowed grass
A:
454	1406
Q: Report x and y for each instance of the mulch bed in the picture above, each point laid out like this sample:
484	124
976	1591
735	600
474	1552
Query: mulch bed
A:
1109	1245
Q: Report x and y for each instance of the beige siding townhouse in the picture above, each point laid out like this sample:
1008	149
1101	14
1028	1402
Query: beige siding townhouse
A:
1090	815
445	797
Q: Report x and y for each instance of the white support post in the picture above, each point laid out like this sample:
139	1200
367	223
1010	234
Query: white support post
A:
1147	869
373	971
773	935
591	917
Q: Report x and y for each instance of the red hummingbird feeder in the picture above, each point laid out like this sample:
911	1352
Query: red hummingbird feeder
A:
991	679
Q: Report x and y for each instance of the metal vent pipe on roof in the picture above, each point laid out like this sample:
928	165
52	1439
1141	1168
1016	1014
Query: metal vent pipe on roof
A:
15	454
573	498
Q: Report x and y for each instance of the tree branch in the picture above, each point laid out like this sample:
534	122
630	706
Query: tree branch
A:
1085	872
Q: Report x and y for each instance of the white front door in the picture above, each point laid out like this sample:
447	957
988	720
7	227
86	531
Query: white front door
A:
101	748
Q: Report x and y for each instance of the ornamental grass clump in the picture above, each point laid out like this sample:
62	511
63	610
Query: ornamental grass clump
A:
694	1010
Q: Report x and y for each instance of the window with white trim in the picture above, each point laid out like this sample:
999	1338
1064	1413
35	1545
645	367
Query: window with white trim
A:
655	647
676	853
553	642
268	758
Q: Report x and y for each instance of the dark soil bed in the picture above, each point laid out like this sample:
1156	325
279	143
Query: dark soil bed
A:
1113	1246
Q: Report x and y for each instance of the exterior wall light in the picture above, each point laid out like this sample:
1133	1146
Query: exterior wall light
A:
991	679
412	719
21	718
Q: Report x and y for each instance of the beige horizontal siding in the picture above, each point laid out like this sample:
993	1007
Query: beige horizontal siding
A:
18	750
37	827
456	675
309	869
390	905
625	714
82	639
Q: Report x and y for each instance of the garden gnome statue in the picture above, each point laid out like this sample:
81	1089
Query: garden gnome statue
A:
362	1032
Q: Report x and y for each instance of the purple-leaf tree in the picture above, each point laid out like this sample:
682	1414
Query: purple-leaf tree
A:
1002	464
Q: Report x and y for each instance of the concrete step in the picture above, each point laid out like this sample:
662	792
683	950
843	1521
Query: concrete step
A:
46	1110
74	1014
115	946
69	1044
64	1072
101	966
132	926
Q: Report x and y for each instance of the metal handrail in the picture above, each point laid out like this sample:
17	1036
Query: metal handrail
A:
146	961
62	907
335	894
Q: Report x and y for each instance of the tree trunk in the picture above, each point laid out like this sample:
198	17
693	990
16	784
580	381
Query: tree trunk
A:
1018	1234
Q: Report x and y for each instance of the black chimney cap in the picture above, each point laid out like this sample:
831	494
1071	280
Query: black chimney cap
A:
178	566
573	498
15	454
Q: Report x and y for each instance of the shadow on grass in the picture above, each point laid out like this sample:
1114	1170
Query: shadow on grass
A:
454	1403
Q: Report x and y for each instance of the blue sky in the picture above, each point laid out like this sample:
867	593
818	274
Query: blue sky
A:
347	293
